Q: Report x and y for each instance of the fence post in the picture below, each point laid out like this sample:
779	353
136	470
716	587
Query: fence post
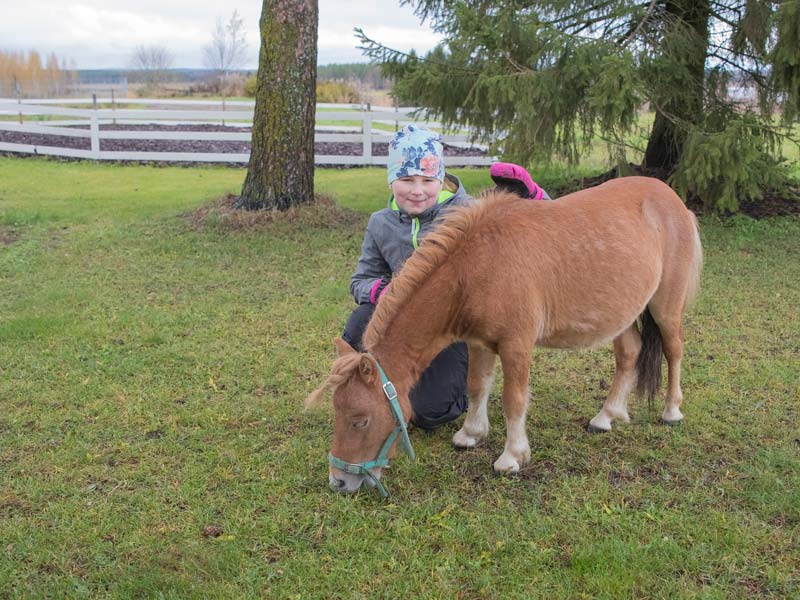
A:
113	106
19	101
366	130
223	110
95	129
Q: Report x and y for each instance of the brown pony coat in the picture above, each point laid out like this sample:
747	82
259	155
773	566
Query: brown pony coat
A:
506	275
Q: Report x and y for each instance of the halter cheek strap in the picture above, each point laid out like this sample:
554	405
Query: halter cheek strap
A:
382	460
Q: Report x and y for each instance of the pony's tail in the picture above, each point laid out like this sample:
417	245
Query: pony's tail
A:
648	363
696	267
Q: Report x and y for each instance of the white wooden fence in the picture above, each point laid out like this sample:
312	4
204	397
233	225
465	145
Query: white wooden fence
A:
61	121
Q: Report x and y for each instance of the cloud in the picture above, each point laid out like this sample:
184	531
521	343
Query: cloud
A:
104	33
88	25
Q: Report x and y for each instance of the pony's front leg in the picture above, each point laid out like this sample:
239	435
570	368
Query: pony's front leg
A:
479	385
516	369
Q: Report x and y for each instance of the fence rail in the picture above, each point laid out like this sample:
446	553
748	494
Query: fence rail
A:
64	119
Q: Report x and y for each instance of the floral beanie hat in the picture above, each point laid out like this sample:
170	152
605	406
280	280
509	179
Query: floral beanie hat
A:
415	150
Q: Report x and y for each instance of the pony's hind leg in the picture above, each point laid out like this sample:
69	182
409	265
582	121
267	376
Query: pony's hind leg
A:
672	340
615	408
479	384
678	287
667	308
516	360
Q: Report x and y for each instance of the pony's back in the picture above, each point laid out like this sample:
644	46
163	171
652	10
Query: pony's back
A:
563	267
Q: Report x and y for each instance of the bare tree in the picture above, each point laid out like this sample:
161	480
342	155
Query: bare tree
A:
153	64
228	48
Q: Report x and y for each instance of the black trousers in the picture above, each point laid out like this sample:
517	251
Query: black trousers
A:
441	393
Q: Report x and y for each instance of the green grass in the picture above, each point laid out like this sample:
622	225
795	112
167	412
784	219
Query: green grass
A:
36	118
152	376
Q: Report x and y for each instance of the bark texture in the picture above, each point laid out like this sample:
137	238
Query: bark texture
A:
688	19
281	169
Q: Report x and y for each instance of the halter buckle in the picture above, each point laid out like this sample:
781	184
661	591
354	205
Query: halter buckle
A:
389	390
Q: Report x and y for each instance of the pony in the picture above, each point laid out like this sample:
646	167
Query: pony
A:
615	263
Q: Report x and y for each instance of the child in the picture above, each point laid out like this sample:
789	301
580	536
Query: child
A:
421	193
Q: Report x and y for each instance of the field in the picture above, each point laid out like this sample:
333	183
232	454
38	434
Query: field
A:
153	442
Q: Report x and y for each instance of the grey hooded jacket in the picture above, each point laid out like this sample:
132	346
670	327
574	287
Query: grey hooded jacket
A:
392	236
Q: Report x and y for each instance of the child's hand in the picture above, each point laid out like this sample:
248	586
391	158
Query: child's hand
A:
515	179
379	289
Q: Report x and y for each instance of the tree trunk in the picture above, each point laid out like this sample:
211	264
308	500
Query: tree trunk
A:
281	169
687	18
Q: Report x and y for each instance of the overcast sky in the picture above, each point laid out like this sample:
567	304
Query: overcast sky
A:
103	33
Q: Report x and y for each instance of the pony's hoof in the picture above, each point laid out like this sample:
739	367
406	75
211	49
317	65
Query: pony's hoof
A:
595	429
507	465
601	422
464	441
671	415
511	468
671	423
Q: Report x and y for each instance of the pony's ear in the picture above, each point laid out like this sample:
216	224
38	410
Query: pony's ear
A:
342	347
367	369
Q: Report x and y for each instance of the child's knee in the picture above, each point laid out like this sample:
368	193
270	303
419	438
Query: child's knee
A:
433	415
357	324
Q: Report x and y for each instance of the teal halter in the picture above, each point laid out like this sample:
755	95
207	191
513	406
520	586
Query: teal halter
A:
382	459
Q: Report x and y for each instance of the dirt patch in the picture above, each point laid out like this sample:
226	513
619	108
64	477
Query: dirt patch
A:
12	505
222	213
212	531
772	204
8	236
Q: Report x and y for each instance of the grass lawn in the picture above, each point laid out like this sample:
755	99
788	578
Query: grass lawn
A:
151	382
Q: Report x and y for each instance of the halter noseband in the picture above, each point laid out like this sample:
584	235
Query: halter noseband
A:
382	459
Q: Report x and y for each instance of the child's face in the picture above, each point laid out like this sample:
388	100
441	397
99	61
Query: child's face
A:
415	194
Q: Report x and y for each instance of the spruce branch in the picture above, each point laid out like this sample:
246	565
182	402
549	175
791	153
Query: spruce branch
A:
758	77
384	54
624	43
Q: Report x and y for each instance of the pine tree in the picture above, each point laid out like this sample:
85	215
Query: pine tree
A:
281	169
545	78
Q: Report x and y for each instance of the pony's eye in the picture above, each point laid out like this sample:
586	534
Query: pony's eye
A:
360	424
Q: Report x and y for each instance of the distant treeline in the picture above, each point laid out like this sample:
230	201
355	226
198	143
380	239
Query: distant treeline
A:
27	75
366	74
170	75
362	72
33	77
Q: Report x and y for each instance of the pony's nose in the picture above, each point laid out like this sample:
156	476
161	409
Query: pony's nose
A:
337	485
349	484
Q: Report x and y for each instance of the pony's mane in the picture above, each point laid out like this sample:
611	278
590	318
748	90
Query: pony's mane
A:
341	371
451	234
